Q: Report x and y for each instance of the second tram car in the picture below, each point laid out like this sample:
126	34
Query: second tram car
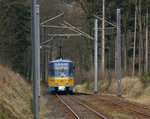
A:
61	75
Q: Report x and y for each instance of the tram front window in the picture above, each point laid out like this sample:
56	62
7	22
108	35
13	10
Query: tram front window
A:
61	70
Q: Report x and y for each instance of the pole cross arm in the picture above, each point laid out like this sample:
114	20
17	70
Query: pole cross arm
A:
52	18
61	27
47	40
64	35
105	21
108	28
71	28
78	30
48	46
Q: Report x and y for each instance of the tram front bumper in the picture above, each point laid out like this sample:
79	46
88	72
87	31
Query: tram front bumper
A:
61	88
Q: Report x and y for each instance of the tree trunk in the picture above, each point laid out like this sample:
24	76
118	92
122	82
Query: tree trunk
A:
116	55
103	39
146	56
1	46
125	53
134	37
140	40
124	61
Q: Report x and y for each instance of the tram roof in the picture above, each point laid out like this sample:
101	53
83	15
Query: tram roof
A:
61	60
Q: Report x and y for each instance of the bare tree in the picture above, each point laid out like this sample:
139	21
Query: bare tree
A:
134	37
125	52
140	38
1	47
146	56
103	39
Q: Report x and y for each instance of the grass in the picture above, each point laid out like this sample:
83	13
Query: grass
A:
87	87
145	80
16	100
108	82
2	117
31	105
133	88
15	95
5	113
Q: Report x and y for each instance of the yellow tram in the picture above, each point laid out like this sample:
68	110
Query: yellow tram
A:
61	75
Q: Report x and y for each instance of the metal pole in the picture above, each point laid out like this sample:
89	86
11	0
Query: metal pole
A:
38	42
34	61
46	60
119	51
43	67
51	50
95	54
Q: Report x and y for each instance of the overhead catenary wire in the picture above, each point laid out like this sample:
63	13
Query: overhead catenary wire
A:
74	29
85	34
108	28
71	28
47	40
52	18
61	27
105	21
48	46
64	35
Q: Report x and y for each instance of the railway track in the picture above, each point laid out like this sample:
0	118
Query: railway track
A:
80	93
79	109
137	108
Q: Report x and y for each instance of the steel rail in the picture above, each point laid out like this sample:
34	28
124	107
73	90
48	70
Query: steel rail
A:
81	93
100	115
129	102
68	107
128	108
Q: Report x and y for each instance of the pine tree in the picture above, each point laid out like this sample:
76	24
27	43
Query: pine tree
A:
15	27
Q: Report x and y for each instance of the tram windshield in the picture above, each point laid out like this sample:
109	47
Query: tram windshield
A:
61	70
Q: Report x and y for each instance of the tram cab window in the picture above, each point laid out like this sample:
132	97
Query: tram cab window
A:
48	69
51	70
61	69
71	69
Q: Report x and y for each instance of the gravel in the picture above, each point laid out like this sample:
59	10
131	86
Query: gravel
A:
58	109
79	109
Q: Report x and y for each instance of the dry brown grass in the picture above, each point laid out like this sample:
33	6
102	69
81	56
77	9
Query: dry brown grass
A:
132	89
16	97
44	110
15	94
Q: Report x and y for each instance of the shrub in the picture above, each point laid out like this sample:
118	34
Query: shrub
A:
145	80
31	105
